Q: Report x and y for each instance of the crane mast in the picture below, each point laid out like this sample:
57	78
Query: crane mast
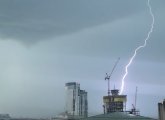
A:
109	76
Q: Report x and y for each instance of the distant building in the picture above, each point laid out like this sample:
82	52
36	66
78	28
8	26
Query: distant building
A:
161	110
76	100
114	102
4	117
83	105
72	98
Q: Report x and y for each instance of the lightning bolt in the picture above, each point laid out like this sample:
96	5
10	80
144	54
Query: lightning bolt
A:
138	48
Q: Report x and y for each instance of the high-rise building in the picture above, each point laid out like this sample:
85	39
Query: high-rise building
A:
83	104
72	98
76	100
161	110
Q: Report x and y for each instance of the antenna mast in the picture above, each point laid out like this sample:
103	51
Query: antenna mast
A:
109	76
136	97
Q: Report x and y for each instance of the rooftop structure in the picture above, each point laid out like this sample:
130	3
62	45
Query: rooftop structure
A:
83	105
117	116
161	110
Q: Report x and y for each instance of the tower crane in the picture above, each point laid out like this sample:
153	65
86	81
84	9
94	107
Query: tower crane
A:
108	76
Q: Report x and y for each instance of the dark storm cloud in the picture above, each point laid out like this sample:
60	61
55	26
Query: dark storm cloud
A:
33	20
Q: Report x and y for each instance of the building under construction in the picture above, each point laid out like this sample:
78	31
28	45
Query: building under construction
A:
114	105
115	109
114	102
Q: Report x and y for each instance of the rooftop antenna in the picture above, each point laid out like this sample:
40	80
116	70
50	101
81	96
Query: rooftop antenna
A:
136	96
134	110
109	76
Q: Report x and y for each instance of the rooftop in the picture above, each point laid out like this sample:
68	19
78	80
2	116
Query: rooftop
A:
117	116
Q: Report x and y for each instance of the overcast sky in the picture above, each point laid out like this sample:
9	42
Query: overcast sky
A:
46	43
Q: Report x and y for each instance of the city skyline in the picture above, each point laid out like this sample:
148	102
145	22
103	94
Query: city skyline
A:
45	44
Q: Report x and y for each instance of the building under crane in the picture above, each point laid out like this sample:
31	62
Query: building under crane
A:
113	102
114	105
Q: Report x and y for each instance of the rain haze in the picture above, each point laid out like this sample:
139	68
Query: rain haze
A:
46	43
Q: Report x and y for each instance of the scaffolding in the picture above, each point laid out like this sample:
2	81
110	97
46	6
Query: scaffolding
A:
114	102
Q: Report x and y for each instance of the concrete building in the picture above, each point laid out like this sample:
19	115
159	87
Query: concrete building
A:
161	110
83	104
72	98
114	102
76	100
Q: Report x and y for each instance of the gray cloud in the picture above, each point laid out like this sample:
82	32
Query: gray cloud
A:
32	21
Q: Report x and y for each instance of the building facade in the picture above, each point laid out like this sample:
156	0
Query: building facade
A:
114	102
161	110
76	100
83	104
72	98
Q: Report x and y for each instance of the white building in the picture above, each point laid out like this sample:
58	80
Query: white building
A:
72	98
76	100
